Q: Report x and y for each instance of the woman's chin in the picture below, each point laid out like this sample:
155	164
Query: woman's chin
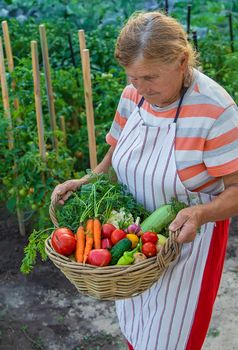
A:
154	100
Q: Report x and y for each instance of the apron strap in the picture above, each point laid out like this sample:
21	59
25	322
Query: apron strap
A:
141	102
180	103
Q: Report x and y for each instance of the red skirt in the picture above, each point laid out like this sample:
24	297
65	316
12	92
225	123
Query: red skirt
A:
209	287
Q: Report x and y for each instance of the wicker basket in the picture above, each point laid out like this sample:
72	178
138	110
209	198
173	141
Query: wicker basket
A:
114	282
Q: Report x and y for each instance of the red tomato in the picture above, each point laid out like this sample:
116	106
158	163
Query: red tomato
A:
117	235
107	230
149	237
99	257
106	243
149	249
63	241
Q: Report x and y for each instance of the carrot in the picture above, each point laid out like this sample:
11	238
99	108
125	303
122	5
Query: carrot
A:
89	239
80	245
97	233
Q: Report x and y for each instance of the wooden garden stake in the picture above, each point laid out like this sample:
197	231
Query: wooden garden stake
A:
50	94
8	46
82	44
89	108
63	128
39	117
84	53
6	106
9	57
5	97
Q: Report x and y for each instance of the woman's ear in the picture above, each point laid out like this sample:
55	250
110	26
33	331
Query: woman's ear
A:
184	62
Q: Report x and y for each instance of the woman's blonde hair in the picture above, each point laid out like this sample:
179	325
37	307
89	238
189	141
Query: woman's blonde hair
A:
153	35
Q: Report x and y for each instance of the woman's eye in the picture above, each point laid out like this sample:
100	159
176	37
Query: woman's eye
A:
151	78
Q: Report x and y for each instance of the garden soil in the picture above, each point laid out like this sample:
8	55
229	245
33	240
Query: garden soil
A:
44	311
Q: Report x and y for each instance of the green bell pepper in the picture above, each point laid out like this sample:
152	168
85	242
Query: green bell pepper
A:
128	257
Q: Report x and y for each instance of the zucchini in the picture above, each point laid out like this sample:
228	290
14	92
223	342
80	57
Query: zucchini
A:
162	217
119	248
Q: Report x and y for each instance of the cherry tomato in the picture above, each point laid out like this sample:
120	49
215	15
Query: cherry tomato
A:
149	237
34	206
63	241
23	192
107	230
117	235
149	249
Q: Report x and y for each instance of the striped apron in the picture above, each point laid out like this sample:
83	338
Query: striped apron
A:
174	313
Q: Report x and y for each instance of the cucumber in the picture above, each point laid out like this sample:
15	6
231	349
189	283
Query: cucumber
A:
161	218
119	248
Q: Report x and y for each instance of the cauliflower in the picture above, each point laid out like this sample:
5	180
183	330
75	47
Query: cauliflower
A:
120	219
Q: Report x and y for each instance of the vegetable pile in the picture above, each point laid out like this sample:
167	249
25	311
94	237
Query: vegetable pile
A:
102	224
106	221
103	245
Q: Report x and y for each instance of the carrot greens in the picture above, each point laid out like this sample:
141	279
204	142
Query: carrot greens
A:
97	199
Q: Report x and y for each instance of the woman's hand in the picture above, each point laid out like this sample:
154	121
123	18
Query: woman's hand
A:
188	220
224	206
63	191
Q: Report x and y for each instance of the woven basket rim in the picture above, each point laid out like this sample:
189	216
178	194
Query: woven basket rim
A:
89	267
116	269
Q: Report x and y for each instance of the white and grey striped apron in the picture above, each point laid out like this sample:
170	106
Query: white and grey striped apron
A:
161	318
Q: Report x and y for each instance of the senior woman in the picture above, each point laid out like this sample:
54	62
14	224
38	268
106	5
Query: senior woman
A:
175	134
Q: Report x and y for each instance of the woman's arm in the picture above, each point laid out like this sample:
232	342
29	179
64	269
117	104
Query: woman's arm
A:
64	190
222	207
105	164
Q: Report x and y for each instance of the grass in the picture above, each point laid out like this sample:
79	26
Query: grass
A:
99	341
213	332
36	343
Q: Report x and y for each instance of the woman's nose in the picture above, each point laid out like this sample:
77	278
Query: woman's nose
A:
140	86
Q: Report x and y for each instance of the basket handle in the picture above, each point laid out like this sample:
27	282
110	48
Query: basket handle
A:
57	197
52	210
170	249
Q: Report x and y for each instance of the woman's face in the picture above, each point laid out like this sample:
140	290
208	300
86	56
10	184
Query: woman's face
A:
160	84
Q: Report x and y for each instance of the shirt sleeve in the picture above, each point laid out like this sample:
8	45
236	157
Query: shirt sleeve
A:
128	101
221	146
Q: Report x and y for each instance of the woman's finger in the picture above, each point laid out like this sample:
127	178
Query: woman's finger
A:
178	222
66	196
60	190
61	200
63	191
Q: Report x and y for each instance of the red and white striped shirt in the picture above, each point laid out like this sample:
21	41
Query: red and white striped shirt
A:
206	145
